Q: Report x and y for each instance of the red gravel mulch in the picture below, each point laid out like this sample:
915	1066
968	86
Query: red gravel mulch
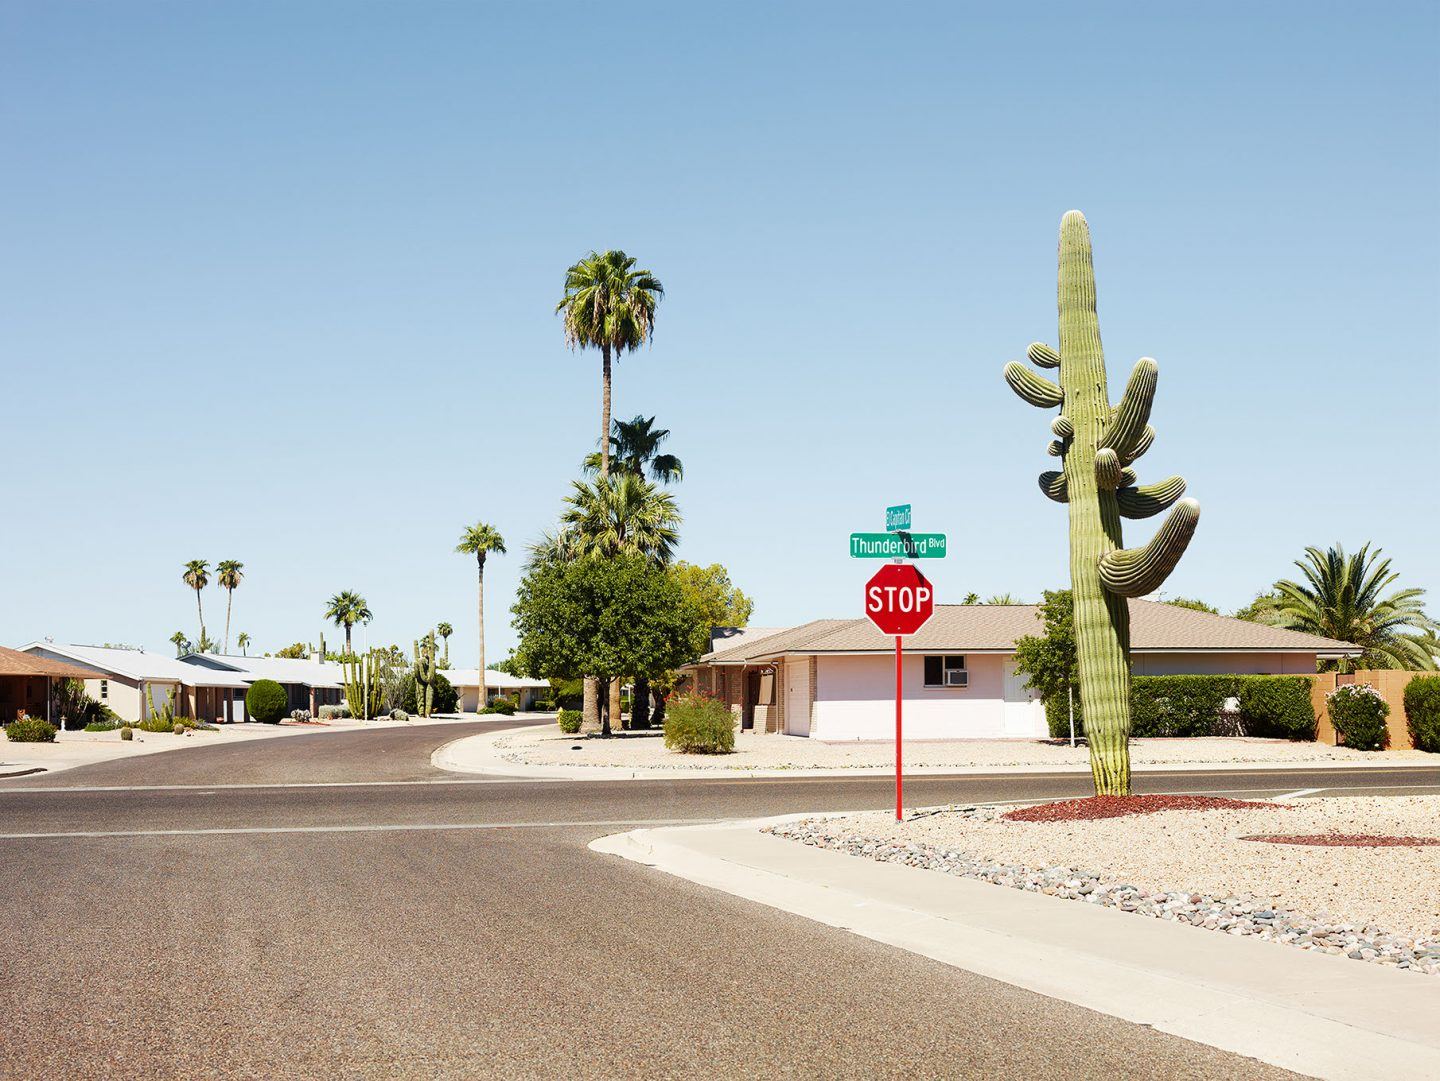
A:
1345	840
1077	810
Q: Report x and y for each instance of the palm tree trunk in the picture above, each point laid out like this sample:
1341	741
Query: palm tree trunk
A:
480	702
347	643
229	600
200	612
615	712
590	706
605	410
640	704
657	718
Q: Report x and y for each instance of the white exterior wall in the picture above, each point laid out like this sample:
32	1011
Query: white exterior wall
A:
125	697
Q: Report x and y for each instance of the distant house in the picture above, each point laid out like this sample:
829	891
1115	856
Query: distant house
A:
467	682
128	681
309	684
26	681
834	679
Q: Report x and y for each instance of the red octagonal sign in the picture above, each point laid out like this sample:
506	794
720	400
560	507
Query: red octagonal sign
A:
899	599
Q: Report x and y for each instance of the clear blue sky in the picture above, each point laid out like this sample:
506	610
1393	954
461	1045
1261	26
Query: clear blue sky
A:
277	280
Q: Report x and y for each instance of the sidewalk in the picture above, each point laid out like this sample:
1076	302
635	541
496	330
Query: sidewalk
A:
1314	1014
72	749
514	754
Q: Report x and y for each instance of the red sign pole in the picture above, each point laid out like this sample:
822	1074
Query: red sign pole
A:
899	696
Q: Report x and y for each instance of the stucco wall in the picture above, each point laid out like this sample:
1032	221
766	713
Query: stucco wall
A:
855	699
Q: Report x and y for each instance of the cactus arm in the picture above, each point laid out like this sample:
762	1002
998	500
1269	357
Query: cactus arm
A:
1107	469
1054	485
1134	572
1042	356
1035	389
1062	427
1140	446
1127	424
1056	448
1149	499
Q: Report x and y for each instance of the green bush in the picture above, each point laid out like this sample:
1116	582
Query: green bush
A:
569	721
1422	712
1277	707
444	698
1179	705
30	730
544	705
265	701
1358	712
104	726
161	722
501	705
697	724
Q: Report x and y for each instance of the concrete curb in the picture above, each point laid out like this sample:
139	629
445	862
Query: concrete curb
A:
477	754
1311	1013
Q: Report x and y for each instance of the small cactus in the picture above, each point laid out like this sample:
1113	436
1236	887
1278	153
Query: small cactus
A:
1097	444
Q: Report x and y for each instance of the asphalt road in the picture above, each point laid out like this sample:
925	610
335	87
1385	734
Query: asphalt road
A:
331	906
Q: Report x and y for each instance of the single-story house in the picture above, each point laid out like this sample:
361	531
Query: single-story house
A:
26	681
129	680
466	681
309	683
834	679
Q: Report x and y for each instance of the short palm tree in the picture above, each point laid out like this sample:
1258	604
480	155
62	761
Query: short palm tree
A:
243	641
444	630
180	642
610	306
345	610
479	540
229	573
197	577
635	448
622	515
1002	598
1344	597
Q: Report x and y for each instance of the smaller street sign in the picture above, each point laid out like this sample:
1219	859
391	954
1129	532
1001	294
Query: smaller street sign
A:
897	545
897	518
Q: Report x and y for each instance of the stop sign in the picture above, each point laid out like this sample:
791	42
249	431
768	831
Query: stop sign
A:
899	599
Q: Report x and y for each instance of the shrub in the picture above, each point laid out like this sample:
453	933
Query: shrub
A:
1422	712
30	730
333	713
159	722
697	724
444	698
1179	705
1277	707
103	726
1358	712
399	715
569	721
127	733
501	705
265	701
544	705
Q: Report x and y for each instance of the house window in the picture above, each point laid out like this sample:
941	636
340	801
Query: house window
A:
946	672
104	689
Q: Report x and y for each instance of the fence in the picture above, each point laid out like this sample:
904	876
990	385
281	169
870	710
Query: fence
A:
1390	684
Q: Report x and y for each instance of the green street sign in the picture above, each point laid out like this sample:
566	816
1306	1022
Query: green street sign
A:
897	545
897	518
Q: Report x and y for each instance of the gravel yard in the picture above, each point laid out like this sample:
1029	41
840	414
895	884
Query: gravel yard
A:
549	747
1368	902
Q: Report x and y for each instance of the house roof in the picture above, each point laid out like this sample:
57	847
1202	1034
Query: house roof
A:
977	628
503	681
15	663
136	664
322	674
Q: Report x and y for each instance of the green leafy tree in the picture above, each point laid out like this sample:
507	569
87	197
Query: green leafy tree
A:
718	600
1265	608
229	573
1345	597
479	540
296	651
1050	660
444	630
635	448
606	617
610	306
1194	604
346	609
197	576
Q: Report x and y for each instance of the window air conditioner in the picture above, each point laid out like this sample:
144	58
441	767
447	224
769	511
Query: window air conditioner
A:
957	677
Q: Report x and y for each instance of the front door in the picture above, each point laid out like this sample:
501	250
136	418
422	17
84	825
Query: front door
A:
797	697
1024	713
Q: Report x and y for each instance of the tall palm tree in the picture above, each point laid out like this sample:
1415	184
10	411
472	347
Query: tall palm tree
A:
1344	597
197	577
622	515
345	610
444	630
180	642
229	573
610	306
479	540
635	448
243	641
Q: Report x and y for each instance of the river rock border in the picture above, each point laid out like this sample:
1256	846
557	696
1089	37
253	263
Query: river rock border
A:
1228	915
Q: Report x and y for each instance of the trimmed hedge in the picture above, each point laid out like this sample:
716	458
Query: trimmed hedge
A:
265	701
1276	707
30	730
1358	712
696	724
569	721
1422	712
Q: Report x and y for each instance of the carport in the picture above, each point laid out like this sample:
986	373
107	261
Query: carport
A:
26	680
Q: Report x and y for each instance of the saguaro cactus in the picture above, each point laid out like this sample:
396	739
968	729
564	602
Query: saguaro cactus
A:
425	674
1097	444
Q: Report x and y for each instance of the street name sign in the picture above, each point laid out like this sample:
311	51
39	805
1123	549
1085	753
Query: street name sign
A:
897	545
897	518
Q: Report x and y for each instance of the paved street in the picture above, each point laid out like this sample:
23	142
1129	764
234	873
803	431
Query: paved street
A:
332	906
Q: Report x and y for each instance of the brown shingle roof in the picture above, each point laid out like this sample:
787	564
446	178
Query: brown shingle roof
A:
778	642
15	663
959	628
